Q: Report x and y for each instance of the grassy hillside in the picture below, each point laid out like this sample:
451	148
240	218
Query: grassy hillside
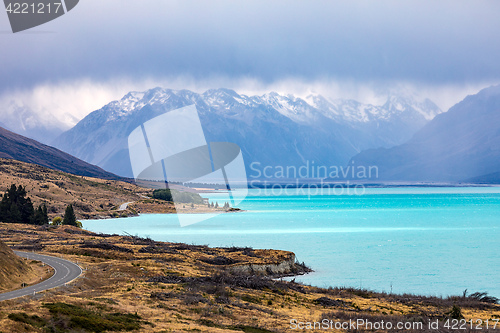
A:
18	147
91	197
12	268
15	271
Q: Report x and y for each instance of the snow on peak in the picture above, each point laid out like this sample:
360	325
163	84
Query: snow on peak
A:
412	103
307	110
291	107
130	100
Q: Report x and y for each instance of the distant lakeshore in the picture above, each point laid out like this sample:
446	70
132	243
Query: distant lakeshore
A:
317	183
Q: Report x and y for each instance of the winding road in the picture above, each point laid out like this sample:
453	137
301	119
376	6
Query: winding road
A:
124	206
65	271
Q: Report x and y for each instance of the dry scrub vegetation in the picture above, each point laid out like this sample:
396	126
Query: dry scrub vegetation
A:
92	198
137	284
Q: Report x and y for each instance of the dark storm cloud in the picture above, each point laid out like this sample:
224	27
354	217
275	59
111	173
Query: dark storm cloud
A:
422	41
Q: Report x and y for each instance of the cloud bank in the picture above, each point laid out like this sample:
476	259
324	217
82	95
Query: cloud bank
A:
63	104
341	49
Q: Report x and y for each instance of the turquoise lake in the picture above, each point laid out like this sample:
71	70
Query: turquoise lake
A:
421	240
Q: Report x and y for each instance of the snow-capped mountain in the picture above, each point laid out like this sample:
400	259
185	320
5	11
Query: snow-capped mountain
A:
355	112
271	129
462	144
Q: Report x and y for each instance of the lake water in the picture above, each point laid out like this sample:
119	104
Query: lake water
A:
432	241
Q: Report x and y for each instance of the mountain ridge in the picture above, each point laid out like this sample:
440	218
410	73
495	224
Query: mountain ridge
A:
462	144
271	129
21	148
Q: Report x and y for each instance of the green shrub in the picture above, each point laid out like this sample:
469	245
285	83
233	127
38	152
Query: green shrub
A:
57	220
27	319
79	318
182	197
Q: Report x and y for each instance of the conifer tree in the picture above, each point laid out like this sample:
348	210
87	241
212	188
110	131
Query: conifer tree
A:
69	216
40	217
15	207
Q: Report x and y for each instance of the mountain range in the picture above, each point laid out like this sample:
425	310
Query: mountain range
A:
462	144
272	129
407	139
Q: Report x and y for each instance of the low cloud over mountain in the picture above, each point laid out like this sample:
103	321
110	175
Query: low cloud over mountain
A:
271	129
462	144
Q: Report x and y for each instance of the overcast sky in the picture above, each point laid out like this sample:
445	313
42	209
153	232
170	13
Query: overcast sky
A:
343	49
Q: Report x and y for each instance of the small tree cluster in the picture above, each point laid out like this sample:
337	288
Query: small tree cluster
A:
216	205
41	217
15	207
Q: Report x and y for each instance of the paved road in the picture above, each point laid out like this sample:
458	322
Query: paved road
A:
65	271
124	206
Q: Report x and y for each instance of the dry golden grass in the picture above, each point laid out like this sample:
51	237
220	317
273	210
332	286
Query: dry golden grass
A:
186	288
16	271
92	198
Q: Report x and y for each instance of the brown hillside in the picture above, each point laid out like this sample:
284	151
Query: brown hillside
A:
90	197
13	269
18	147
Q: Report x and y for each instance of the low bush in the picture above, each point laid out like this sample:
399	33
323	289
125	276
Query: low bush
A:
224	279
27	319
219	260
105	246
79	318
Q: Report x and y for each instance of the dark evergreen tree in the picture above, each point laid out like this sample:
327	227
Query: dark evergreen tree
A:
15	207
14	215
69	216
40	217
